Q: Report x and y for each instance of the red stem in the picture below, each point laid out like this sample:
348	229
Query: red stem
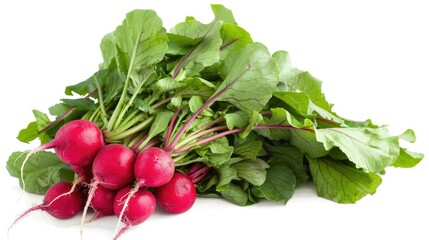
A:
237	130
193	169
171	126
151	143
121	231
211	100
137	144
327	121
201	176
35	208
66	114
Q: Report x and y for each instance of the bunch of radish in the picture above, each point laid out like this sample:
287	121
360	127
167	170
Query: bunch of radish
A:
117	180
202	108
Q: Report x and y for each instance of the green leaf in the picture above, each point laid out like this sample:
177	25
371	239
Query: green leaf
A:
226	175
140	79
252	171
234	38
108	49
223	14
29	133
190	28
204	53
143	106
369	148
407	159
340	182
280	116
159	124
165	85
82	88
307	143
408	136
254	120
179	44
280	182
251	70
41	171
297	81
286	71
142	39
248	149
41	118
292	157
235	194
82	103
59	109
301	103
237	119
217	159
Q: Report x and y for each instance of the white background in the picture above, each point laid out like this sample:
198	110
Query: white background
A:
372	57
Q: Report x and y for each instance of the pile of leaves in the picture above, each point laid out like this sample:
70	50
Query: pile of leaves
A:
261	126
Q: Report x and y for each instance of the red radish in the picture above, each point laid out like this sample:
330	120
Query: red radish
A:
136	210
178	195
112	169
63	207
76	143
102	202
113	166
154	167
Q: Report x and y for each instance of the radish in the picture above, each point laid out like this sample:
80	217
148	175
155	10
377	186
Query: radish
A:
178	195
76	143
136	210
102	202
64	207
112	169
154	167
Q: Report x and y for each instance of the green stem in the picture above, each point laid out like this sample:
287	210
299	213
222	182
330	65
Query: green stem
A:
100	98
233	131
118	108
198	135
118	136
129	123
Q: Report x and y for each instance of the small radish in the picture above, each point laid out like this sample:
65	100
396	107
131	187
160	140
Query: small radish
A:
112	169
154	167
102	202
76	143
113	166
136	210
63	207
178	195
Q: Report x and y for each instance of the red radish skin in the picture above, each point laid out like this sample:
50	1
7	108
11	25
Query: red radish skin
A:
139	208
154	167
178	195
112	169
63	207
102	202
76	143
113	166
